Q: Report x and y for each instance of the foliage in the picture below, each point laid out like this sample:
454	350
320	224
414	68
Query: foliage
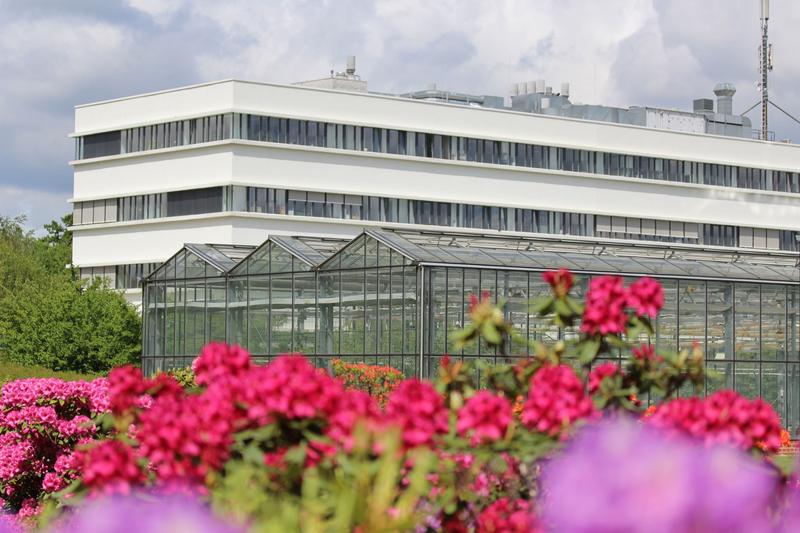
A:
12	371
49	318
69	326
184	377
286	447
377	381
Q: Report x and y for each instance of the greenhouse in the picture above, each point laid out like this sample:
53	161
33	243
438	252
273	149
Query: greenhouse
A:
392	297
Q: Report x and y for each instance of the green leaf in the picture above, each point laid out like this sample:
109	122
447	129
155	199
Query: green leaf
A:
588	350
785	463
490	333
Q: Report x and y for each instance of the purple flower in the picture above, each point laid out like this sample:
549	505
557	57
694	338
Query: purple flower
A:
621	476
144	514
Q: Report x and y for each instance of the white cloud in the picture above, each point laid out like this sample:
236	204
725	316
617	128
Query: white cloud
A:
39	207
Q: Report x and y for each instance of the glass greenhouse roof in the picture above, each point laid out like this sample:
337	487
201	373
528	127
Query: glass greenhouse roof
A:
640	258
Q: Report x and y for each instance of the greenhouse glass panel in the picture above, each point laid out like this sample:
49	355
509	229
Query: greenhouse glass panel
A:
720	376
719	345
454	306
281	260
666	325
793	323
386	298
352	256
747	322
328	314
305	305
773	386
792	420
352	312
258	263
215	309
169	317
514	291
195	316
692	314
180	317
773	322
397	311
280	313
745	379
258	315
371	318
437	324
472	288
237	311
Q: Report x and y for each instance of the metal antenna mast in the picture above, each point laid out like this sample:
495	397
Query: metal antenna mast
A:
764	66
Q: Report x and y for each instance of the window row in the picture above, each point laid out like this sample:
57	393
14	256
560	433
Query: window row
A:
149	206
120	276
429	145
403	211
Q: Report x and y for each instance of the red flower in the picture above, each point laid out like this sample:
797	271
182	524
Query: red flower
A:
601	372
646	297
126	384
220	361
508	516
419	411
724	417
555	400
484	418
560	280
605	307
110	467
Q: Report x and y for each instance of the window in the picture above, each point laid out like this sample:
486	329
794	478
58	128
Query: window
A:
193	202
101	144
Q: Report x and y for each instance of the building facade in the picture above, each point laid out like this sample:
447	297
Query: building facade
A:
686	197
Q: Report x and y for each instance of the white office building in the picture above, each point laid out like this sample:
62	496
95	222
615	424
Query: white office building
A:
688	197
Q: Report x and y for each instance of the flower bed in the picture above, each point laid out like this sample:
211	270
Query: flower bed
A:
377	381
556	442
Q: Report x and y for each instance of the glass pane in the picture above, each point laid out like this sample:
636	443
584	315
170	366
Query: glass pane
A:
195	267
258	315
180	318
773	322
720	377
397	310
385	301
280	313
514	290
195	316
472	287
720	321
436	305
455	305
773	386
328	324
746	379
353	255
793	324
371	252
692	314
352	315
169	341
747	321
666	324
371	312
305	294
215	304
410	296
237	311
792	421
281	260
540	329
258	263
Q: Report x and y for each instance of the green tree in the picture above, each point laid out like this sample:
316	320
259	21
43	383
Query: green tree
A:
47	316
63	324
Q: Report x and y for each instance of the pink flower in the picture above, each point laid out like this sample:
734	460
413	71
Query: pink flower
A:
605	307
419	411
723	417
646	297
555	400
508	516
484	418
353	406
126	384
220	361
601	372
559	280
110	468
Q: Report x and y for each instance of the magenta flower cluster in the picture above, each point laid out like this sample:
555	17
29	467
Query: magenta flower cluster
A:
608	301
724	417
556	400
484	418
41	423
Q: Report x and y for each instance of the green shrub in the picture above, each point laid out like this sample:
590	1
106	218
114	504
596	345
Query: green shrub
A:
64	325
184	377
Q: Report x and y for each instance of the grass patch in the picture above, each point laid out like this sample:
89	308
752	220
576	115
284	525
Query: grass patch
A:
11	371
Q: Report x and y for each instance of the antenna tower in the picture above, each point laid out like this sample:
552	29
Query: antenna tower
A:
764	66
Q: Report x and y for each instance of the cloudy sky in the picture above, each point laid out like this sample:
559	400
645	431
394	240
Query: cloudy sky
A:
55	54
